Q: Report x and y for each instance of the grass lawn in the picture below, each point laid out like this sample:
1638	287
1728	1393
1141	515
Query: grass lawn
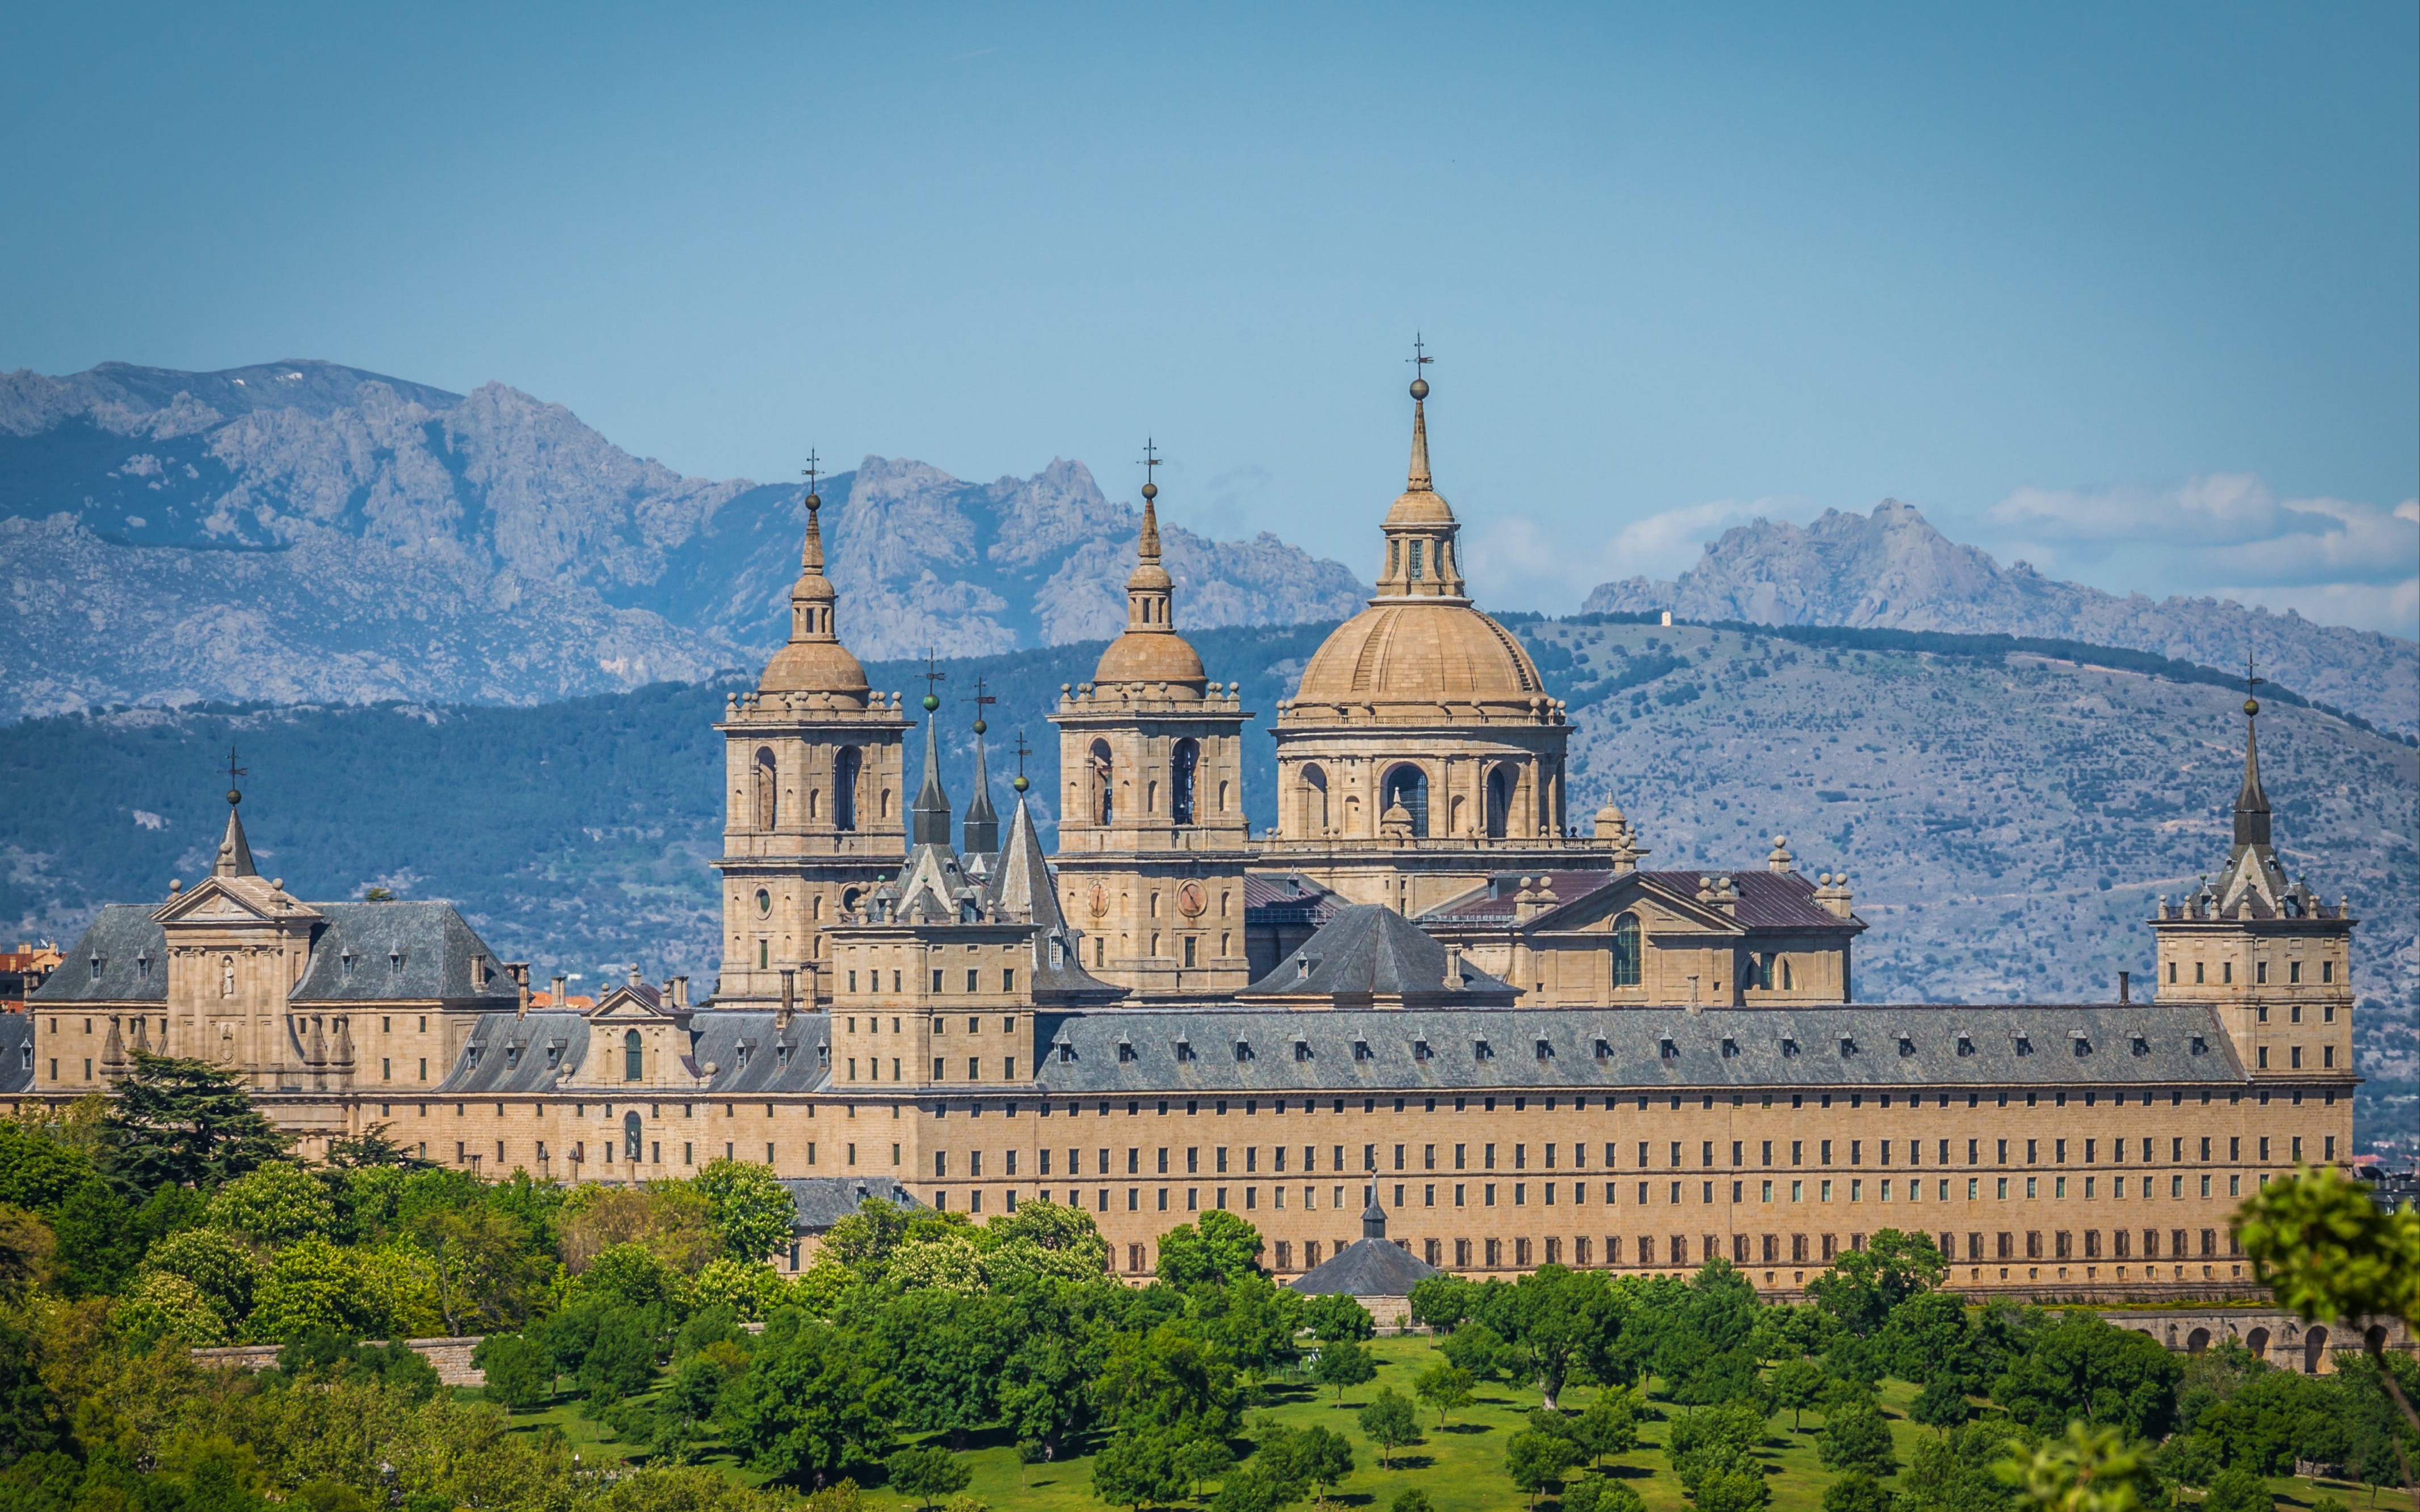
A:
1460	1467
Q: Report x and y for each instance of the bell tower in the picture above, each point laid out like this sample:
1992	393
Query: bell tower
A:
813	781
2270	957
1151	837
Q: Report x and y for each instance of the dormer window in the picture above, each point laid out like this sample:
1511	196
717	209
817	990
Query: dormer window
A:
1848	1046
512	1056
2201	1045
1906	1045
344	964
2140	1046
2024	1044
1183	1051
1603	1050
1789	1047
2083	1045
470	1055
143	966
1545	1049
95	968
740	1056
1243	1051
1482	1050
1666	1049
1361	1050
553	1056
1067	1053
1302	1050
394	960
1731	1047
1126	1050
1420	1049
782	1056
1965	1045
1058	952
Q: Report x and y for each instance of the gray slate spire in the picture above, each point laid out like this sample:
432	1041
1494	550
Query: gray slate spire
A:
931	820
981	830
2251	804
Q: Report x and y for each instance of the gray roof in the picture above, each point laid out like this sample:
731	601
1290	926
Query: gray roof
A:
822	1201
399	950
16	1052
1767	900
134	967
1369	950
519	1054
1366	1268
1024	889
1137	1051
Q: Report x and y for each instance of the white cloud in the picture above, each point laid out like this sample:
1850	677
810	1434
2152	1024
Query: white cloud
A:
2225	535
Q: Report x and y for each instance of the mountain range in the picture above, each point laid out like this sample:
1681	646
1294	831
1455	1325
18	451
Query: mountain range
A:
1893	569
304	532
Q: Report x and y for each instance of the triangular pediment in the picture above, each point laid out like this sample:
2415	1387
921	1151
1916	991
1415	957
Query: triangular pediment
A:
627	1004
231	900
1627	891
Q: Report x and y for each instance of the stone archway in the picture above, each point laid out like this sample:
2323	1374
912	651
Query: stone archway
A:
2196	1341
2315	1347
2257	1342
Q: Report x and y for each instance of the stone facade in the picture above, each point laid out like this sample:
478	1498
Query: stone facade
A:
1433	997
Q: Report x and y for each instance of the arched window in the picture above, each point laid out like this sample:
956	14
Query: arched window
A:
1499	801
1764	971
1785	974
1181	767
1314	801
630	1136
634	1066
1103	790
767	809
1625	951
845	766
1409	787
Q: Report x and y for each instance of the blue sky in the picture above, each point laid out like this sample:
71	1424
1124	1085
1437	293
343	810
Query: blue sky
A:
2132	291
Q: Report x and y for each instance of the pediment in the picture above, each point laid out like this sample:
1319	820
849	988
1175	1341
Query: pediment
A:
234	901
1659	907
629	1005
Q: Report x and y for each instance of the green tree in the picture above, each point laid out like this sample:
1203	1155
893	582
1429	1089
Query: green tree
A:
636	1278
621	1357
1856	1491
1608	1426
161	1305
1412	1499
1798	1384
1442	1301
186	1123
1167	1379
1536	1462
1342	1364
2332	1253
217	1264
373	1148
1218	1247
1713	1455
98	1245
1136	1468
1474	1348
750	1211
752	1290
1205	1458
518	1373
38	1172
2381	1446
275	1203
1551	1317
1857	1439
1388	1422
310	1284
2090	1470
2085	1369
928	1476
1940	1405
811	1404
1590	1494
1323	1457
2238	1489
1864	1286
1445	1386
1335	1317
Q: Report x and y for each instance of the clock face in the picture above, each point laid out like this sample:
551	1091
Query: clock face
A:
1191	900
1099	901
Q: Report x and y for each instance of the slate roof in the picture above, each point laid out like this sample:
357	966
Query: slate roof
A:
1291	899
1022	888
126	940
743	1044
821	1201
16	1052
400	951
518	1055
1136	1052
1767	900
1366	1268
1369	950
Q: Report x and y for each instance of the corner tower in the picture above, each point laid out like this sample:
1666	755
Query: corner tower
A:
1421	752
2272	958
812	774
1152	836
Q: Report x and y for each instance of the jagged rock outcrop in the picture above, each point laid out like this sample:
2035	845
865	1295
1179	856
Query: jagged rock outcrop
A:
1892	569
306	531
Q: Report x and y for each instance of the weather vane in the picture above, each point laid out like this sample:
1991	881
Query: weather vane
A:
233	772
1022	750
1150	466
934	677
1420	358
979	698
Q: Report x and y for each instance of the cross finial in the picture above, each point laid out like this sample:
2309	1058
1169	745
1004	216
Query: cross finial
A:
934	677
2251	677
979	698
1023	751
1149	465
233	772
811	473
1420	358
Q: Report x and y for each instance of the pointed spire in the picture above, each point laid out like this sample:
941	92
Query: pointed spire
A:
931	822
981	830
1419	481
235	852
2251	804
1021	889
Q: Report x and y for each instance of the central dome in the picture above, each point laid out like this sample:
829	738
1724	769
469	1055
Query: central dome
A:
1421	651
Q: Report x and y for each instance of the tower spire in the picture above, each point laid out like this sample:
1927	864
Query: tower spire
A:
931	818
981	827
1420	480
1147	546
235	852
2252	816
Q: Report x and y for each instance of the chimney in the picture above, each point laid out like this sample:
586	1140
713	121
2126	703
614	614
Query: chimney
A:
789	998
2125	986
680	992
561	1001
634	974
1454	968
519	970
